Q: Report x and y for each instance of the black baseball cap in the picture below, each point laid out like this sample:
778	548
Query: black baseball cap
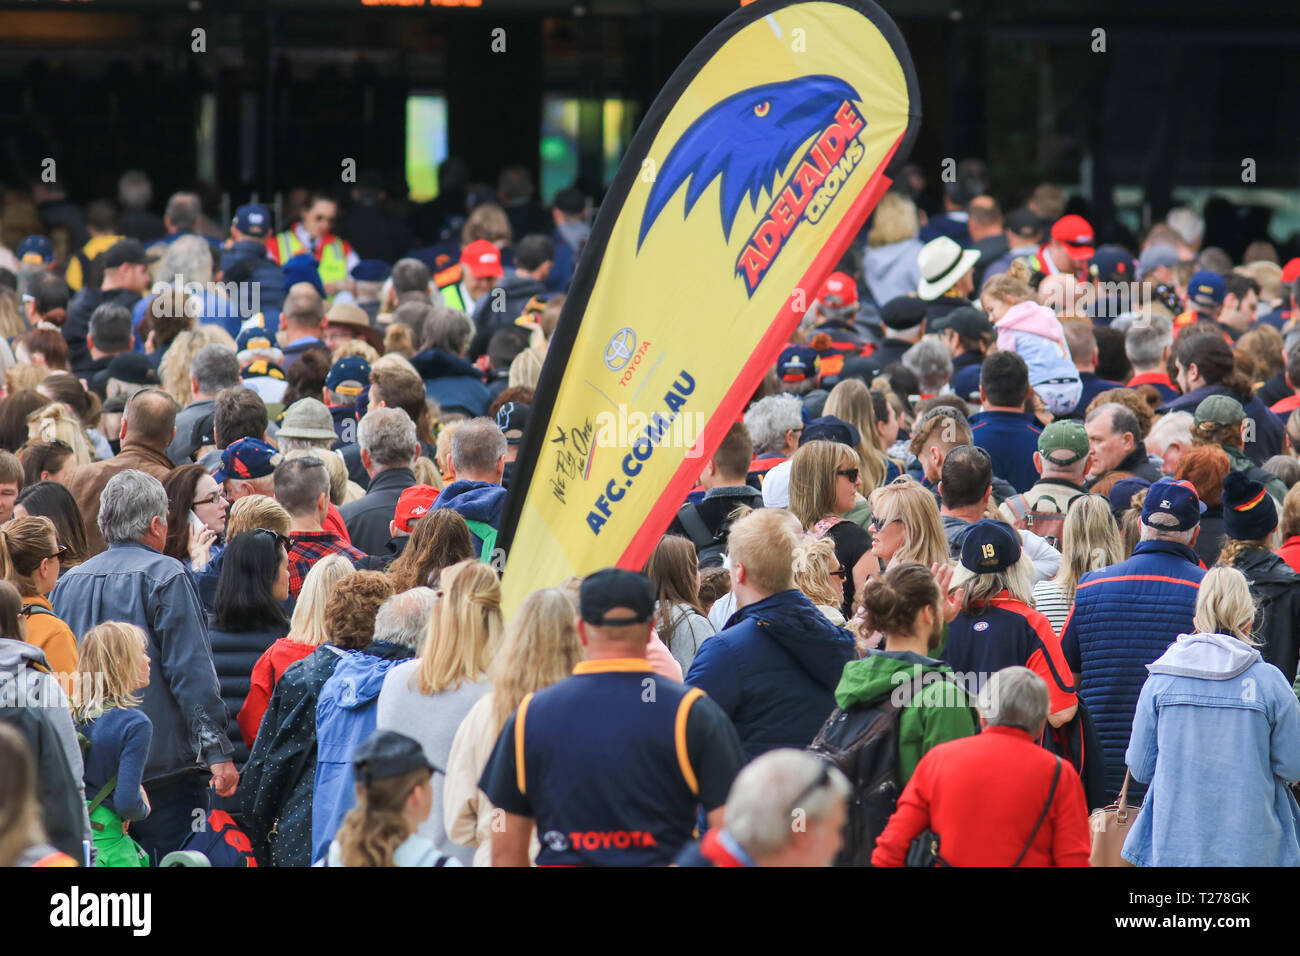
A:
903	312
386	753
614	587
1024	223
125	251
134	368
830	428
966	320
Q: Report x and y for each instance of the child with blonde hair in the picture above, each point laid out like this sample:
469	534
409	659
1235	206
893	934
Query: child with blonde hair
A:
114	664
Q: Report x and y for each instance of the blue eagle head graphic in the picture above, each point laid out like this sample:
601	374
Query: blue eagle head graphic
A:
746	139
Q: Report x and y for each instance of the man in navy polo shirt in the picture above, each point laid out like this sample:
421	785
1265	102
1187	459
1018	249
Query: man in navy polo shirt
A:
612	762
1004	429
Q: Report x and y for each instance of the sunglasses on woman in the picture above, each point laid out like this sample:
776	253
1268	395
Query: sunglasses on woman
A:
878	526
850	473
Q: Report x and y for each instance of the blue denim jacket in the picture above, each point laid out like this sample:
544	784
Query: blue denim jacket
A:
134	583
1217	733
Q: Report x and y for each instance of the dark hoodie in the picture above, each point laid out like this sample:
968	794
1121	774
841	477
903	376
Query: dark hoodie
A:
452	382
774	670
474	501
516	291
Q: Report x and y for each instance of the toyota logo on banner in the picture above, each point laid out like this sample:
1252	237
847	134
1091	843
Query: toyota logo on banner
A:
619	351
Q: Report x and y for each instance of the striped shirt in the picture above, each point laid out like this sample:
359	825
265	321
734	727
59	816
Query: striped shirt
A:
1051	603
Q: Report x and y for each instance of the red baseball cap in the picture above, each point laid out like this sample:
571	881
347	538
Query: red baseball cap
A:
838	291
482	258
413	504
1076	233
1291	271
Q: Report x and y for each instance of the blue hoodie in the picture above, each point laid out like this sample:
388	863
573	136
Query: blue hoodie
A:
1217	734
474	501
774	670
346	715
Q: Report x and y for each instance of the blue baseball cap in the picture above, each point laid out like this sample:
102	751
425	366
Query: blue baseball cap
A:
247	458
830	428
1206	289
371	270
1112	264
990	546
253	219
796	363
1121	494
1176	498
352	368
36	251
302	268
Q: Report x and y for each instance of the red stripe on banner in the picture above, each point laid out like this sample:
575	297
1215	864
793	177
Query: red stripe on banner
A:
769	347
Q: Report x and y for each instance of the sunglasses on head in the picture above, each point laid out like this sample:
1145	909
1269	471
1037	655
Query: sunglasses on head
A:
280	539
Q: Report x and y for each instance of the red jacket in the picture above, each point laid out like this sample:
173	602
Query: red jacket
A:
1290	552
268	670
982	795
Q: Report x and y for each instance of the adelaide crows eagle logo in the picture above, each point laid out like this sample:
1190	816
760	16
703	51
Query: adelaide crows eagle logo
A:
746	141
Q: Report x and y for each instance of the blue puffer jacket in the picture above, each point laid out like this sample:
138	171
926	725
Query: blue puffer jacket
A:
774	670
346	714
234	654
1124	617
474	501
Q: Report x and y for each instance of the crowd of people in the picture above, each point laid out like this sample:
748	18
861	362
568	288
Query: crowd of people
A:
1004	546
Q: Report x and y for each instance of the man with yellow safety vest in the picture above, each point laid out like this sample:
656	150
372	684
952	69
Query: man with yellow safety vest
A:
311	234
470	279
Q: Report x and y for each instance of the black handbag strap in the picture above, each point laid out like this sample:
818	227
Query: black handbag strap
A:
1051	794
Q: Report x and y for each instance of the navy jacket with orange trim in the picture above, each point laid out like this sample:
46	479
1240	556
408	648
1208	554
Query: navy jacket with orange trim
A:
1008	633
1124	617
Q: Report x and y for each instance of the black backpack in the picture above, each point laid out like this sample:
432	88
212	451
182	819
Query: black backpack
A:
862	743
710	547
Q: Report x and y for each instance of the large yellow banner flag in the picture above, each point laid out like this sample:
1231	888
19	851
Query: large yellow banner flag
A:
752	172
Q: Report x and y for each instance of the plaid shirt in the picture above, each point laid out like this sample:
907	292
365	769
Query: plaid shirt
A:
308	547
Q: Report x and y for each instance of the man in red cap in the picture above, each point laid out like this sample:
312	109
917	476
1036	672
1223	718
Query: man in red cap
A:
1069	248
467	281
834	311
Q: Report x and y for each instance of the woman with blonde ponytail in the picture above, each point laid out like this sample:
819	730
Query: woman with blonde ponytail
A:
394	796
541	648
430	696
29	560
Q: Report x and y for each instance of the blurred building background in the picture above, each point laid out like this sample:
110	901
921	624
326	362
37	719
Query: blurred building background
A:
285	90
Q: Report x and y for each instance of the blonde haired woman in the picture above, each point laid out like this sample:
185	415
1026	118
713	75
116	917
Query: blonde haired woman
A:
1218	767
29	560
1090	540
906	526
824	479
850	401
256	511
817	573
541	648
429	697
889	266
114	666
306	633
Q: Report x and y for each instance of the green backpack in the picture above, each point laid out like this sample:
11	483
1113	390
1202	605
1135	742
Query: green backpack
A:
113	846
